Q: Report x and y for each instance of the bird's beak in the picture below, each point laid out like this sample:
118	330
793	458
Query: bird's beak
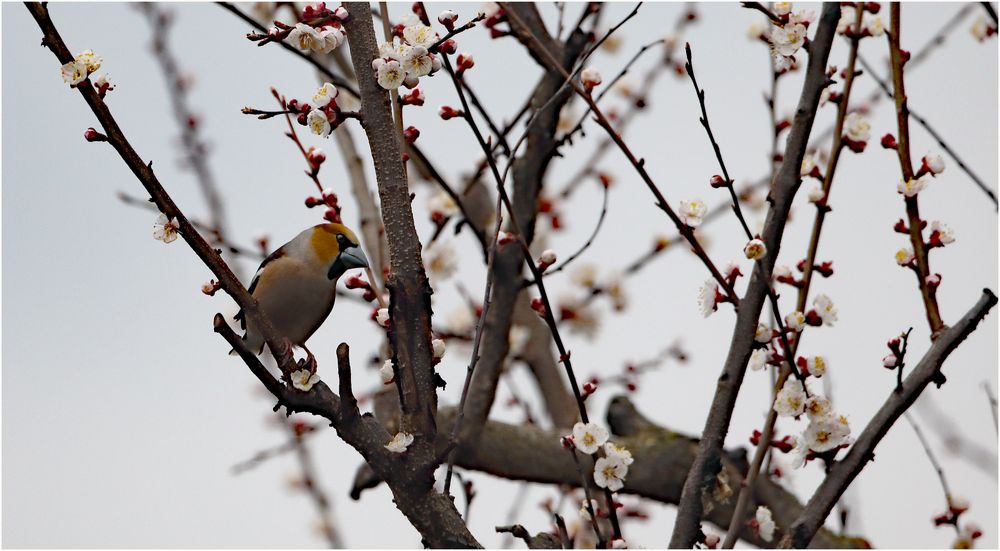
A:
350	257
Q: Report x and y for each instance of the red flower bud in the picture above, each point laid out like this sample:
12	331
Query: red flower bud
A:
873	7
312	202
411	134
889	141
718	182
448	47
446	112
316	157
92	135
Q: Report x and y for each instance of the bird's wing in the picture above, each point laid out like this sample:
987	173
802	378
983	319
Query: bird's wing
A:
278	253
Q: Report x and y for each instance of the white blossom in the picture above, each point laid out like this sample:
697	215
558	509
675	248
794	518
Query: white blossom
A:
787	40
816	365
944	231
781	270
759	358
791	399
904	256
808	163
382	317
417	62
620	453
610	473
318	123
589	437
420	35
547	257
825	309
818	406
329	40
73	72
692	212
324	95
765	523
802	16
848	15
826	433
303	379
585	275
980	29
795	321
390	74
762	334
443	204
782	8
441	260
438	347
934	162
305	37
911	187
590	77
873	23
386	372
707	297
816	193
857	128
165	230
755	249
90	60
400	442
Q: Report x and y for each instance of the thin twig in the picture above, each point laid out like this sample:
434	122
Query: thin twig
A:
934	463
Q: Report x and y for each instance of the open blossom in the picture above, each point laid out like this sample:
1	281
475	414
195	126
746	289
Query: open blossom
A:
390	74
305	37
759	358
826	433
585	511
911	187
442	204
329	39
620	453
765	523
791	399
857	128
825	309
787	40
692	212
585	276
589	437
981	29
417	61
818	406
848	15
610	473
400	442
441	260
165	230
762	334
795	321
904	256
708	297
580	316
386	373
73	72
755	249
319	124
808	163
816	365
324	95
804	17
90	60
782	271
873	24
782	8
944	232
438	348
420	35
304	379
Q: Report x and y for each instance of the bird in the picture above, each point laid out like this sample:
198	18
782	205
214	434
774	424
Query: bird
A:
296	285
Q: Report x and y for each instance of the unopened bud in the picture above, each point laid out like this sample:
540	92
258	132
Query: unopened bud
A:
92	135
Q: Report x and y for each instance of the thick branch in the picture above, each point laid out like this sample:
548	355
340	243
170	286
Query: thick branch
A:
843	473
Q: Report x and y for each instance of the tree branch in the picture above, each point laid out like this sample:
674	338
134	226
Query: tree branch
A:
841	475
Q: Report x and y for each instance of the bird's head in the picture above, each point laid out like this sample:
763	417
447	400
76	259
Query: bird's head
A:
338	249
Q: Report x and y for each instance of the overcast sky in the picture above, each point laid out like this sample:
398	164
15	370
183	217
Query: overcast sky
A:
122	414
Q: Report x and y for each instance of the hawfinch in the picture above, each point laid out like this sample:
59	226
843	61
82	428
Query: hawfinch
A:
297	284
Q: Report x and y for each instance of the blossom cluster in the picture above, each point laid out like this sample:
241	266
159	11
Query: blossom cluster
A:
609	471
871	23
408	57
83	65
321	31
788	35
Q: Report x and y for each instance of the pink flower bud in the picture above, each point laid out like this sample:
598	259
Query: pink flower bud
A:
316	157
448	47
448	18
465	62
341	13
889	362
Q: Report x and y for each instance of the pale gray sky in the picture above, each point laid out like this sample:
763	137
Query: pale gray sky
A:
122	413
